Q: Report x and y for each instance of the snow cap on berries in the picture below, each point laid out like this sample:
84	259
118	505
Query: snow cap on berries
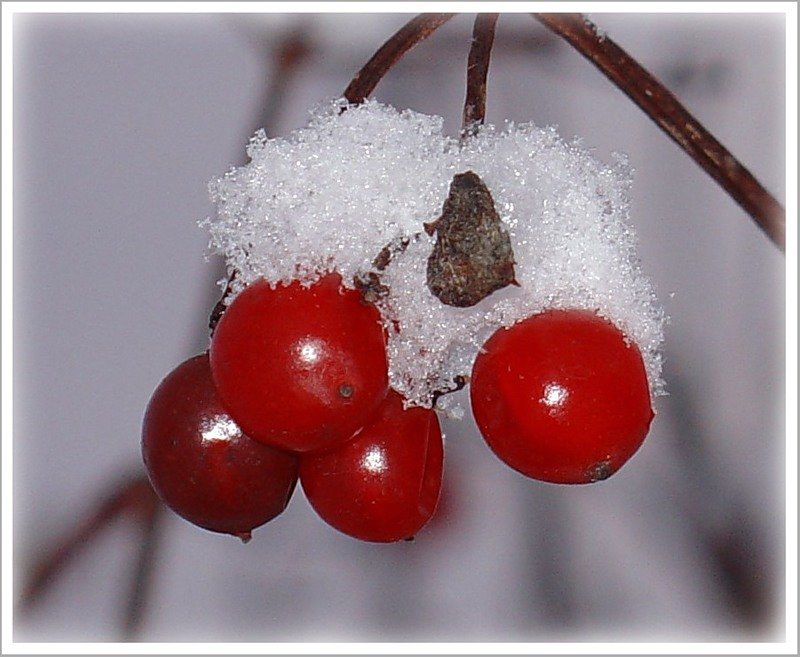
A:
332	195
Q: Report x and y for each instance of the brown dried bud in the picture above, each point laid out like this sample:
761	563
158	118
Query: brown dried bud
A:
472	256
369	284
383	259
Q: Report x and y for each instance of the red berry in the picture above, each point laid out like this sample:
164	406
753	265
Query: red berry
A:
300	367
383	485
202	465
561	396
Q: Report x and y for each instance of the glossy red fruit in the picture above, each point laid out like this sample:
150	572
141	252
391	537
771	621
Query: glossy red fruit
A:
300	368
561	396
202	465
384	484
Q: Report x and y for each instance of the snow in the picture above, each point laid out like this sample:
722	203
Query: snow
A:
332	195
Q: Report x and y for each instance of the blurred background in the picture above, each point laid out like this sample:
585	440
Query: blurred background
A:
120	122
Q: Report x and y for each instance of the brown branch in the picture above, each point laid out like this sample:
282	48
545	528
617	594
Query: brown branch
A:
417	29
151	513
287	58
477	72
133	497
673	118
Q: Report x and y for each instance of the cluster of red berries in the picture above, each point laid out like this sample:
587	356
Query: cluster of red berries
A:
295	386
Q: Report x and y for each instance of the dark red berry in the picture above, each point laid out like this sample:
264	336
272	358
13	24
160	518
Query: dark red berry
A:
202	465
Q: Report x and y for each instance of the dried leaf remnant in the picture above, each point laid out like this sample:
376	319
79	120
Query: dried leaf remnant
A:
472	256
369	284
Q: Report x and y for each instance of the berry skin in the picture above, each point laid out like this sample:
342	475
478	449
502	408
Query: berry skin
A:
202	465
383	485
300	368
561	397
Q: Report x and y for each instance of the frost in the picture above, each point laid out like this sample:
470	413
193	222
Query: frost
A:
332	195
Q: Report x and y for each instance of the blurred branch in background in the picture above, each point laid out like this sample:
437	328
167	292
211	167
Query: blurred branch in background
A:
673	118
132	498
724	524
284	53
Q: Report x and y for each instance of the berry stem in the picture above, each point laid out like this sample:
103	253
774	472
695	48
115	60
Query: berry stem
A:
417	29
477	71
673	118
219	307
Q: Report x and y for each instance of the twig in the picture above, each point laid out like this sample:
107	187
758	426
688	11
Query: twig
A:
459	382
132	497
417	29
151	512
219	308
287	58
673	118
477	72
